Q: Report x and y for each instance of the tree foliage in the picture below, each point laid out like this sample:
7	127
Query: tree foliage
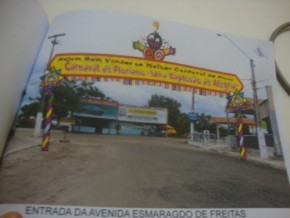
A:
26	112
182	124
66	100
88	88
204	124
29	109
165	102
67	97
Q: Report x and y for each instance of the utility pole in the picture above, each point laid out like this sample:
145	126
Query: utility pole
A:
255	95
259	130
54	42
39	116
228	121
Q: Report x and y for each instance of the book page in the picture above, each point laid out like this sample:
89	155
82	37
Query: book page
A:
143	116
23	26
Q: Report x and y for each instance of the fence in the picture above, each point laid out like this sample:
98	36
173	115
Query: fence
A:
205	139
230	141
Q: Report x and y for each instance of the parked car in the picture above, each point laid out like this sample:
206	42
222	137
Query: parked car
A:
167	130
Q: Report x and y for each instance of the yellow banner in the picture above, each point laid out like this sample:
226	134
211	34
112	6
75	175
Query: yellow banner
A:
140	69
142	111
68	120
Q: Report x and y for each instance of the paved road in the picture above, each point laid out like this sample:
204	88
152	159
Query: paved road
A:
117	171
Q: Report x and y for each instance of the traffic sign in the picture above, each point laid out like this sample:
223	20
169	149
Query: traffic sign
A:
193	116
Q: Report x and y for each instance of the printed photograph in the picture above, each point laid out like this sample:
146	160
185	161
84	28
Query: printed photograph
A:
129	111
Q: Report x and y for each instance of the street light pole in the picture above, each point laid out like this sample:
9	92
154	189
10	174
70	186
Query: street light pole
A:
256	104
54	42
259	131
39	116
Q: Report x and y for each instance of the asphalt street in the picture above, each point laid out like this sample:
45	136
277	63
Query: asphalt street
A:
126	171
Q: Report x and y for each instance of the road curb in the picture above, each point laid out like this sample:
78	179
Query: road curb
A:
272	163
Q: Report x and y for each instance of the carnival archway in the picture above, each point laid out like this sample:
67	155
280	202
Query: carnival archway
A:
133	71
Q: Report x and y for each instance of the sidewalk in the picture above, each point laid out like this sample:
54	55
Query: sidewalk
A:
24	139
18	143
275	162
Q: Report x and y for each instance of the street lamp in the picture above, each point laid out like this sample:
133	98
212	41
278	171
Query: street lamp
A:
39	116
260	133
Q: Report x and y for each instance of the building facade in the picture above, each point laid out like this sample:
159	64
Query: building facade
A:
102	116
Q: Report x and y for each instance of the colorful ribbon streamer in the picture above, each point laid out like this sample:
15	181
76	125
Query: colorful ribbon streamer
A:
50	81
129	82
48	118
237	102
241	135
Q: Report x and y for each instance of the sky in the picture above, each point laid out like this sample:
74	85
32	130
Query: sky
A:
106	32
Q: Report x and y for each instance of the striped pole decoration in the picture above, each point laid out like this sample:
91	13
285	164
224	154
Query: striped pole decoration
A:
241	135
238	103
48	117
50	81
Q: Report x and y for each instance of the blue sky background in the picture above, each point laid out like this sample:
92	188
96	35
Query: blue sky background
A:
113	33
